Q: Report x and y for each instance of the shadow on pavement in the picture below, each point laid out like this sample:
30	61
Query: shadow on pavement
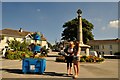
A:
17	71
55	74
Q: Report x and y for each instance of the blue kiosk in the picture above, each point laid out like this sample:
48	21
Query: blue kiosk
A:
34	65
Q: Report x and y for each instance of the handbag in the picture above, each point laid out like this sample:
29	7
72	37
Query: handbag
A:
76	57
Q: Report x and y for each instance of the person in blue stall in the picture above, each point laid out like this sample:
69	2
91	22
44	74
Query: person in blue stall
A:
35	47
37	50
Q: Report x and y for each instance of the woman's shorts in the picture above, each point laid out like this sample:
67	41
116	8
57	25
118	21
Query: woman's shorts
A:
69	59
76	58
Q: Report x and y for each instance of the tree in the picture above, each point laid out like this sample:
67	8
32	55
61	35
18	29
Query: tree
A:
18	46
14	44
70	30
24	46
49	45
2	37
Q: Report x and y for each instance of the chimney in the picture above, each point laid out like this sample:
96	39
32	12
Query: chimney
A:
20	30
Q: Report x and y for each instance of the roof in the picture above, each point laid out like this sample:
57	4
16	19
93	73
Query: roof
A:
17	33
104	41
43	38
14	33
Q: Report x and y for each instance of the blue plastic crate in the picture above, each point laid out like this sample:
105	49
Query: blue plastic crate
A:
39	65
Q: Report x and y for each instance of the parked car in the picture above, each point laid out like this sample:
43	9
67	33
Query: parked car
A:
56	50
93	53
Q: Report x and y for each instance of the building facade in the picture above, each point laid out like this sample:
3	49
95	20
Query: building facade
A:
106	47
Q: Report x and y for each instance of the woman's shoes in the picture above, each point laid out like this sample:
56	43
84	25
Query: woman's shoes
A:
69	74
74	77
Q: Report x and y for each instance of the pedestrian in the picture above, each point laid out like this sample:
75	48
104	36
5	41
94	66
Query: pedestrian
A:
69	58
76	59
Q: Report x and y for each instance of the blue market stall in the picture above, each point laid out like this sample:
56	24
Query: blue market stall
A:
34	65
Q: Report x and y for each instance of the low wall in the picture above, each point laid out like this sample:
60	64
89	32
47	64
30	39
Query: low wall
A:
112	56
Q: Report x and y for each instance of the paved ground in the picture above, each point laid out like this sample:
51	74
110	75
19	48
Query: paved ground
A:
107	69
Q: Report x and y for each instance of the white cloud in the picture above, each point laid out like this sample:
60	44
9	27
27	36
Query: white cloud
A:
38	10
103	28
95	20
98	19
114	23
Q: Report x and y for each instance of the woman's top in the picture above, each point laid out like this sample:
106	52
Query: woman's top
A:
70	51
76	51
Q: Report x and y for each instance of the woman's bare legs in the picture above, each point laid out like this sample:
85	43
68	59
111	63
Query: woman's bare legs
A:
76	68
69	68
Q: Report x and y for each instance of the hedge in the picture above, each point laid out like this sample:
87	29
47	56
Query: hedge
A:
91	59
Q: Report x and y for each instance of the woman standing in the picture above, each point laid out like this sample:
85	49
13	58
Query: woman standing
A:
76	59
69	58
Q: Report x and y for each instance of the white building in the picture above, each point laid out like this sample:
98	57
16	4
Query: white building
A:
19	35
106	47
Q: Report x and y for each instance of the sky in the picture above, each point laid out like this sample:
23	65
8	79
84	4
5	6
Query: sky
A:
60	0
49	17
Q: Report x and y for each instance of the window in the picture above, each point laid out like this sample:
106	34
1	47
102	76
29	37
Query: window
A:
0	40
92	47
102	46
28	40
96	47
7	39
110	46
110	52
103	53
